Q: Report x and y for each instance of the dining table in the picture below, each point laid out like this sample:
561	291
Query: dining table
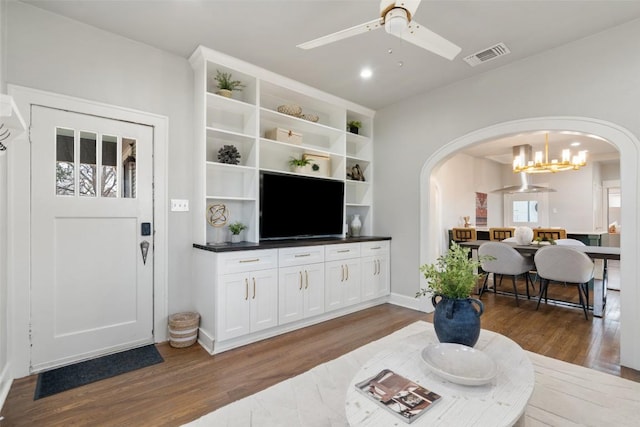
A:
599	285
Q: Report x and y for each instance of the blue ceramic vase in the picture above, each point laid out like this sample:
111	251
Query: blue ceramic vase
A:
457	320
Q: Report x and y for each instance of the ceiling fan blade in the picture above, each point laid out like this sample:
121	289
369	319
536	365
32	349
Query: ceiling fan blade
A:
427	39
353	31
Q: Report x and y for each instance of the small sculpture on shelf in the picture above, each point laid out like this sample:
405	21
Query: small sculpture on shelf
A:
229	154
355	174
217	217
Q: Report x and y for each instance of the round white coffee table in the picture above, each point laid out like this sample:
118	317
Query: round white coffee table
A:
499	403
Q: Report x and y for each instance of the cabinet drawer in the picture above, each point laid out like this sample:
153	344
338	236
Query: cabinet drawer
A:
238	262
342	251
378	247
288	257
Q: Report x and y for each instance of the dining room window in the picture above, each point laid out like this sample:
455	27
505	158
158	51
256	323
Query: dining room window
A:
526	209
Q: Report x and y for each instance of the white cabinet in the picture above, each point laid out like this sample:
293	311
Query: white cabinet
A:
244	121
300	283
300	292
245	296
342	276
247	293
375	269
248	302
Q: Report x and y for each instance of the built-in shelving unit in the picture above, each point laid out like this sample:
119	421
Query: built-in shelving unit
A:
245	119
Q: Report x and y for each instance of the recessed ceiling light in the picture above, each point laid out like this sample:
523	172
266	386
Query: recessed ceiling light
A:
575	144
366	73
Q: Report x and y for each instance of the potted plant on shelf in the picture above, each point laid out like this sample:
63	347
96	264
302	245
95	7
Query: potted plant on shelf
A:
452	279
226	84
298	165
236	228
354	126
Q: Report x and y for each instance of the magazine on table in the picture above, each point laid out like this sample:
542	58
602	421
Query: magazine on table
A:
398	395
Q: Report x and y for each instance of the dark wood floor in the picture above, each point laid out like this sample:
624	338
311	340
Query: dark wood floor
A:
191	383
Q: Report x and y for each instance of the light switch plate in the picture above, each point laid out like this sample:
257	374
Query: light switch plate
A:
179	205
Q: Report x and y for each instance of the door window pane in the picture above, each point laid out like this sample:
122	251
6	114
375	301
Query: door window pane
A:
109	180
65	170
88	172
128	167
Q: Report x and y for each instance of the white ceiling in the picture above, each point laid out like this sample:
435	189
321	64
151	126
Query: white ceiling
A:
265	33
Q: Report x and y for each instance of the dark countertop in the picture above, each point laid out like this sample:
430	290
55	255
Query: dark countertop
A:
287	243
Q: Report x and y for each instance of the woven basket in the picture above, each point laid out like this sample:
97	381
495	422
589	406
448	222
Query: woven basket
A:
183	329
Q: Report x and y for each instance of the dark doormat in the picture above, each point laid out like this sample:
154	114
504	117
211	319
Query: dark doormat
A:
72	376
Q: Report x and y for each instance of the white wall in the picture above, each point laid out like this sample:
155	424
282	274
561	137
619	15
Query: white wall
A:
4	381
59	55
459	189
564	82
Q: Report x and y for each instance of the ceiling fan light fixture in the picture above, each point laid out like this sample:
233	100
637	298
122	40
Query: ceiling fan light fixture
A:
396	21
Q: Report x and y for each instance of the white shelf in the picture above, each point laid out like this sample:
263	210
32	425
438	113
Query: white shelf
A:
241	199
244	119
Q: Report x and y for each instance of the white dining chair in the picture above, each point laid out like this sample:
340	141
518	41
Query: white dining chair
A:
506	261
567	265
569	242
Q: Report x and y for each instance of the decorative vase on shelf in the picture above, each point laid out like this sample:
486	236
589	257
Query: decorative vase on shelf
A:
456	320
356	225
236	238
224	92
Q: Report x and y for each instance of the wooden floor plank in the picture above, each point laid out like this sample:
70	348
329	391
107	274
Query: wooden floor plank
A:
191	383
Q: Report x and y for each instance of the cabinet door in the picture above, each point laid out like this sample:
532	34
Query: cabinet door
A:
264	299
335	276
375	277
314	286
369	278
352	289
232	306
290	294
383	282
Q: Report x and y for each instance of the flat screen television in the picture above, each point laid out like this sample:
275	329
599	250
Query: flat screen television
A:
293	206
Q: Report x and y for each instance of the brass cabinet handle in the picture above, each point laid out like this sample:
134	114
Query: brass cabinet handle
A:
342	277
306	277
254	288
300	280
243	261
347	268
301	255
376	247
246	289
343	251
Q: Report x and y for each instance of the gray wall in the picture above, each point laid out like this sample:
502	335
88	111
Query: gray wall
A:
56	54
564	82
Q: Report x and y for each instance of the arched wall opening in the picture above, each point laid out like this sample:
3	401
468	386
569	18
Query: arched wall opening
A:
629	148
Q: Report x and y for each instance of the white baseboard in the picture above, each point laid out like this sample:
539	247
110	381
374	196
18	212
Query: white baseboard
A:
420	304
5	384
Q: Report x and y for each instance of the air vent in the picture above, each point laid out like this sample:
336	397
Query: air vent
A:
488	54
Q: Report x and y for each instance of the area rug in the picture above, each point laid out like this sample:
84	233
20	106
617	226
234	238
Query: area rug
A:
564	394
76	375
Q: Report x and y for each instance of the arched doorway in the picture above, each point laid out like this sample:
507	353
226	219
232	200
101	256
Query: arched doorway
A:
625	142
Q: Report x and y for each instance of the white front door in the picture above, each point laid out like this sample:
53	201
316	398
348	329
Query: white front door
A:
91	213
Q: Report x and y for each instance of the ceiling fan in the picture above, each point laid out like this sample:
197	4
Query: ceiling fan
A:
396	17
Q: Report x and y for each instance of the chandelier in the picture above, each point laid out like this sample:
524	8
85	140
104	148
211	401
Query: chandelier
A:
522	160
